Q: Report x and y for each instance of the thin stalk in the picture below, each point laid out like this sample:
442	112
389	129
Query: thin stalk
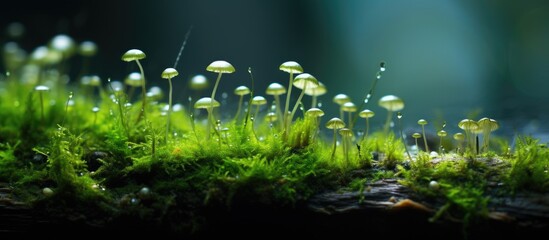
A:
350	122
368	95
169	110
215	87
367	129
424	139
286	124
42	107
335	143
278	111
251	97
239	107
402	136
298	101
143	93
388	121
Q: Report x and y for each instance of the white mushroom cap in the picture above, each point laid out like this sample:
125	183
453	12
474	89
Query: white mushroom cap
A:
133	79
366	113
314	112
349	107
242	90
220	66
198	82
133	54
335	123
291	67
275	89
206	103
305	79
259	100
391	103
316	91
341	98
169	73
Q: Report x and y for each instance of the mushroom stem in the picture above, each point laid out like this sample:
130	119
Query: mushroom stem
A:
256	112
424	138
286	124
169	110
388	121
278	111
143	92
350	120
239	107
367	128
298	101
346	150
485	138
42	107
402	136
215	87
335	143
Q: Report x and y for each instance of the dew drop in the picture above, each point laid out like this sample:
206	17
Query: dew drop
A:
367	99
382	66
399	115
71	94
378	75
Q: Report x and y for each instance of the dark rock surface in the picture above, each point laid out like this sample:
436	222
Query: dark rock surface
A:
387	210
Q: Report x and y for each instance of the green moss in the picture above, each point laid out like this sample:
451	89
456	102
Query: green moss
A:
101	160
529	166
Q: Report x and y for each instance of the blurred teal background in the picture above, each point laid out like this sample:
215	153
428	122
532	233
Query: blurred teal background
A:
447	59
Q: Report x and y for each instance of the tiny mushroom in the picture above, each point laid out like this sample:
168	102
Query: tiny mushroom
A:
487	125
208	104
40	89
136	55
87	48
315	92
441	134
367	114
219	67
335	124
276	90
349	107
198	82
258	101
341	99
292	68
459	137
423	122
346	135
240	91
392	103
416	136
314	113
169	73
470	126
302	81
